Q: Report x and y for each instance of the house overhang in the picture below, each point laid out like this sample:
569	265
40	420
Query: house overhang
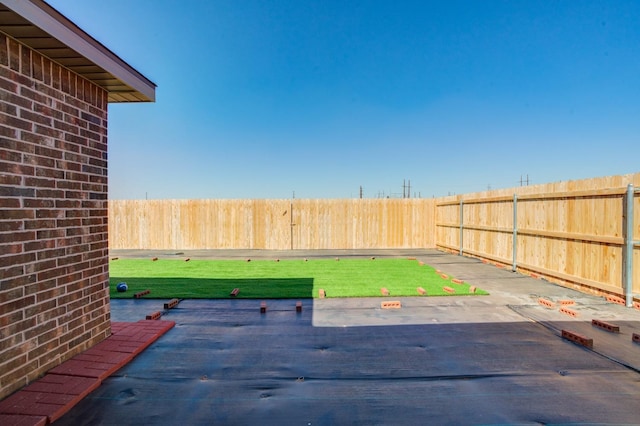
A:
42	28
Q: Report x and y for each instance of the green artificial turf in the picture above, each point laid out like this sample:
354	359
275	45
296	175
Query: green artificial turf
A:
215	279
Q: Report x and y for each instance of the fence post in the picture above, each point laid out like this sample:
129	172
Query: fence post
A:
461	224
627	255
514	267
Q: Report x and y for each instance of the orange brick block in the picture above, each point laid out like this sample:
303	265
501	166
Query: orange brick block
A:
636	305
139	294
234	292
421	291
577	338
566	302
187	259
322	294
411	258
635	338
154	259
457	281
449	289
605	326
263	307
171	304
154	316
115	258
384	291
298	306
472	289
569	312
615	299
444	276
546	303
391	305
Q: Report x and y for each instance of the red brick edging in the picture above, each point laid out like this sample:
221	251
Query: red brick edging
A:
50	397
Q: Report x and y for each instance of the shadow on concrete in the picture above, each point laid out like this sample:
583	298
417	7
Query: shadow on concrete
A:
193	288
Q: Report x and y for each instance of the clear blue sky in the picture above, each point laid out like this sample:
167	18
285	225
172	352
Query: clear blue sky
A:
258	99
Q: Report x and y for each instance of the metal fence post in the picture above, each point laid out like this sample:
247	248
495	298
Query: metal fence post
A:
461	225
627	255
514	267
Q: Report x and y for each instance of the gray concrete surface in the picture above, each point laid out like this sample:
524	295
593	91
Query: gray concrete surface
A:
458	360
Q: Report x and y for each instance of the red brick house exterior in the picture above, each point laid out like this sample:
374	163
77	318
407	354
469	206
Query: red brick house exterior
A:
54	278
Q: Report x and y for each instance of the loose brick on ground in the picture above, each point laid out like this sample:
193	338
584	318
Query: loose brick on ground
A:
615	299
139	294
577	338
154	316
569	312
546	303
171	304
605	326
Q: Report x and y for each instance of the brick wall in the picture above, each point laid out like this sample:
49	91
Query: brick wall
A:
54	299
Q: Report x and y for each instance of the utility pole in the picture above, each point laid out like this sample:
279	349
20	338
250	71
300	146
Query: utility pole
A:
524	181
360	191
406	189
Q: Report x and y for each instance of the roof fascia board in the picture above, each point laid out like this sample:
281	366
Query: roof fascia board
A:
57	25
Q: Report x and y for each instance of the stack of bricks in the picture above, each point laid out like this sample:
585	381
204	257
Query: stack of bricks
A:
54	300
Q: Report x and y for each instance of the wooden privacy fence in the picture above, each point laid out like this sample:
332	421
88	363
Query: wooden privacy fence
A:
574	233
587	237
271	224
